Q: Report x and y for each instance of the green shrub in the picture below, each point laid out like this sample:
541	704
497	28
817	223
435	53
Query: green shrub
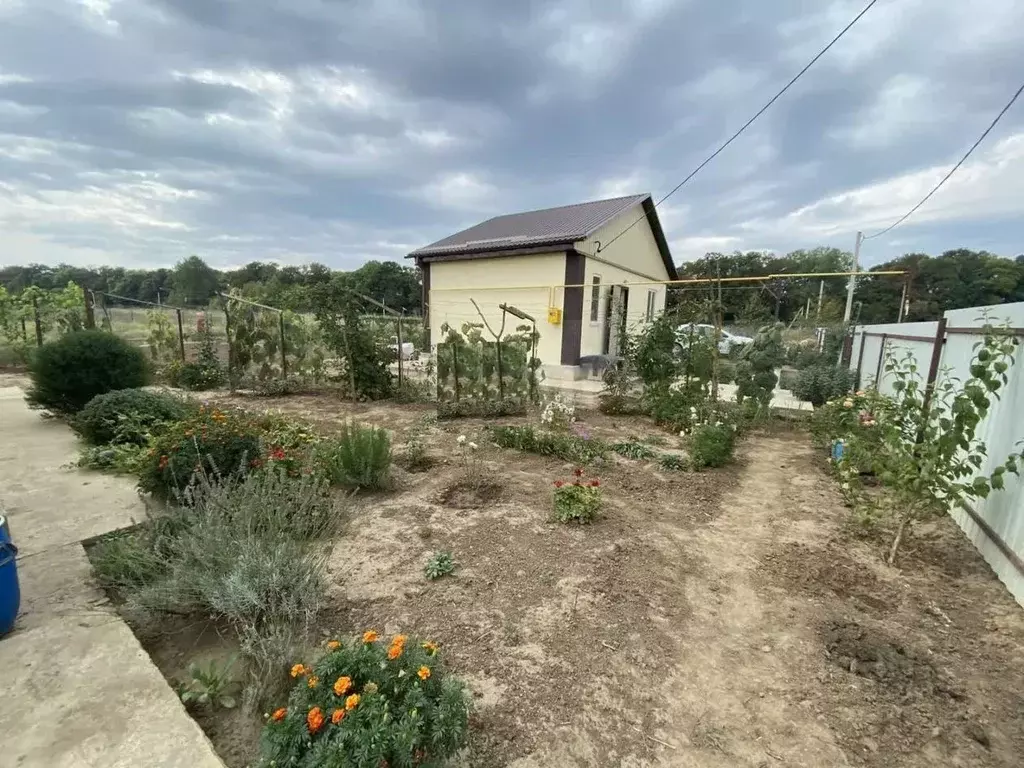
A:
115	458
203	374
196	376
821	383
248	551
631	449
365	705
673	461
275	386
569	447
440	564
577	500
360	457
128	416
127	560
482	409
800	357
71	371
712	445
221	443
615	404
788	379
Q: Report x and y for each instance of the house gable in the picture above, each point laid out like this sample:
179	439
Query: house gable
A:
641	248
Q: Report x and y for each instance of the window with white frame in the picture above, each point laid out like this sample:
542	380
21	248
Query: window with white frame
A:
652	299
595	298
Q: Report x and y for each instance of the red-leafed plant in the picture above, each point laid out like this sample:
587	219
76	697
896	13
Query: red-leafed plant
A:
577	500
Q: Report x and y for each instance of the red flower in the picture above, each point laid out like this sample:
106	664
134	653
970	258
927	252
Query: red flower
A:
277	454
595	483
578	471
559	483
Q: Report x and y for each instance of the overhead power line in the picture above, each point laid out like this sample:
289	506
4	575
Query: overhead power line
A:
952	170
749	122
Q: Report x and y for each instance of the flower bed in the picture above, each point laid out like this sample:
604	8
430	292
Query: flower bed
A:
365	704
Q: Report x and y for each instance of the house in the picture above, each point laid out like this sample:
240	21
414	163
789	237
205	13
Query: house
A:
580	270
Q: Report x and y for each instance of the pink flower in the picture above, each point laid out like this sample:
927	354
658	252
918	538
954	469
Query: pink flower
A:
559	483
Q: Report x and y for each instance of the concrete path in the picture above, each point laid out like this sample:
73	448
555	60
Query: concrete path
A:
77	688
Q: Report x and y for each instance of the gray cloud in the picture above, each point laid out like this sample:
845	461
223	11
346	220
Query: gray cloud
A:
341	131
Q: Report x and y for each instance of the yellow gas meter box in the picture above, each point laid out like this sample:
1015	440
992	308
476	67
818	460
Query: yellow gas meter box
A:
554	315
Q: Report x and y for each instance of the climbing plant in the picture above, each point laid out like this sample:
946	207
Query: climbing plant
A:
364	359
471	367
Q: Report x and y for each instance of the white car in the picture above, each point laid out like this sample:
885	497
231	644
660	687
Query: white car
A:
727	342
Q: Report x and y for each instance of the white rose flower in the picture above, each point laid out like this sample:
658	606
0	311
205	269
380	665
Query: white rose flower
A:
473	446
846	486
461	440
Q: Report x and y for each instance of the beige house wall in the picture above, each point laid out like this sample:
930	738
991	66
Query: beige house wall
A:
636	259
495	281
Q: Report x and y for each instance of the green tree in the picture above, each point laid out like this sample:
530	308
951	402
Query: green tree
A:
194	282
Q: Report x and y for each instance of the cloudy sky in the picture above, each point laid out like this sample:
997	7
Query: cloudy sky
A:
136	132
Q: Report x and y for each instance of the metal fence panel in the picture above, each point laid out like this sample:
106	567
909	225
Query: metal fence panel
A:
995	525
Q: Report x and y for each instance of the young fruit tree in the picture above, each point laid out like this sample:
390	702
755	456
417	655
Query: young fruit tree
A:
928	455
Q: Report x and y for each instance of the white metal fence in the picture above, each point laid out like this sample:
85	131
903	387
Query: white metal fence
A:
944	348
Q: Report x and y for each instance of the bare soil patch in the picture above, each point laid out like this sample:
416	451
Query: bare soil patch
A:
721	619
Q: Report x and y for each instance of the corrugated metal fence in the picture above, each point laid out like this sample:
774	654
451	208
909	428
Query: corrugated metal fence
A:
944	348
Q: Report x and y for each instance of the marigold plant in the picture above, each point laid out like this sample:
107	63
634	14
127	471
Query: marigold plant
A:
379	709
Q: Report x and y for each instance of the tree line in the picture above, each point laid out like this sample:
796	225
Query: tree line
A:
956	279
193	283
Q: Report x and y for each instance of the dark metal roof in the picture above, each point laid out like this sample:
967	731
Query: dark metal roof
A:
565	224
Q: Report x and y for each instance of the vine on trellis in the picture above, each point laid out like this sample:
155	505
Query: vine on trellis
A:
468	365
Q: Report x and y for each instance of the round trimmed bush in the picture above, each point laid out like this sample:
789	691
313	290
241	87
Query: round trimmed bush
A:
128	416
71	371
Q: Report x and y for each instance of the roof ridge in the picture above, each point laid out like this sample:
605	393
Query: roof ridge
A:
639	195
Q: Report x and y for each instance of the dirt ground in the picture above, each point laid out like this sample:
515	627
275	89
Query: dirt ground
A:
726	618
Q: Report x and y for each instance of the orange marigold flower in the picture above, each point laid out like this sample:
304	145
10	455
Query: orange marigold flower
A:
337	715
333	645
315	719
298	670
423	673
352	701
341	685
370	636
395	651
399	640
430	647
279	714
313	681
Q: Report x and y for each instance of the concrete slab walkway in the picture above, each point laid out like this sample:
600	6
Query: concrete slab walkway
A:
78	689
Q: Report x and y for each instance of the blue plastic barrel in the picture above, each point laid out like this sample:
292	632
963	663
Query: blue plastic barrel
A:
10	592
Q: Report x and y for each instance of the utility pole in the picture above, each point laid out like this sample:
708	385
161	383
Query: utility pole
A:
821	295
853	279
903	303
